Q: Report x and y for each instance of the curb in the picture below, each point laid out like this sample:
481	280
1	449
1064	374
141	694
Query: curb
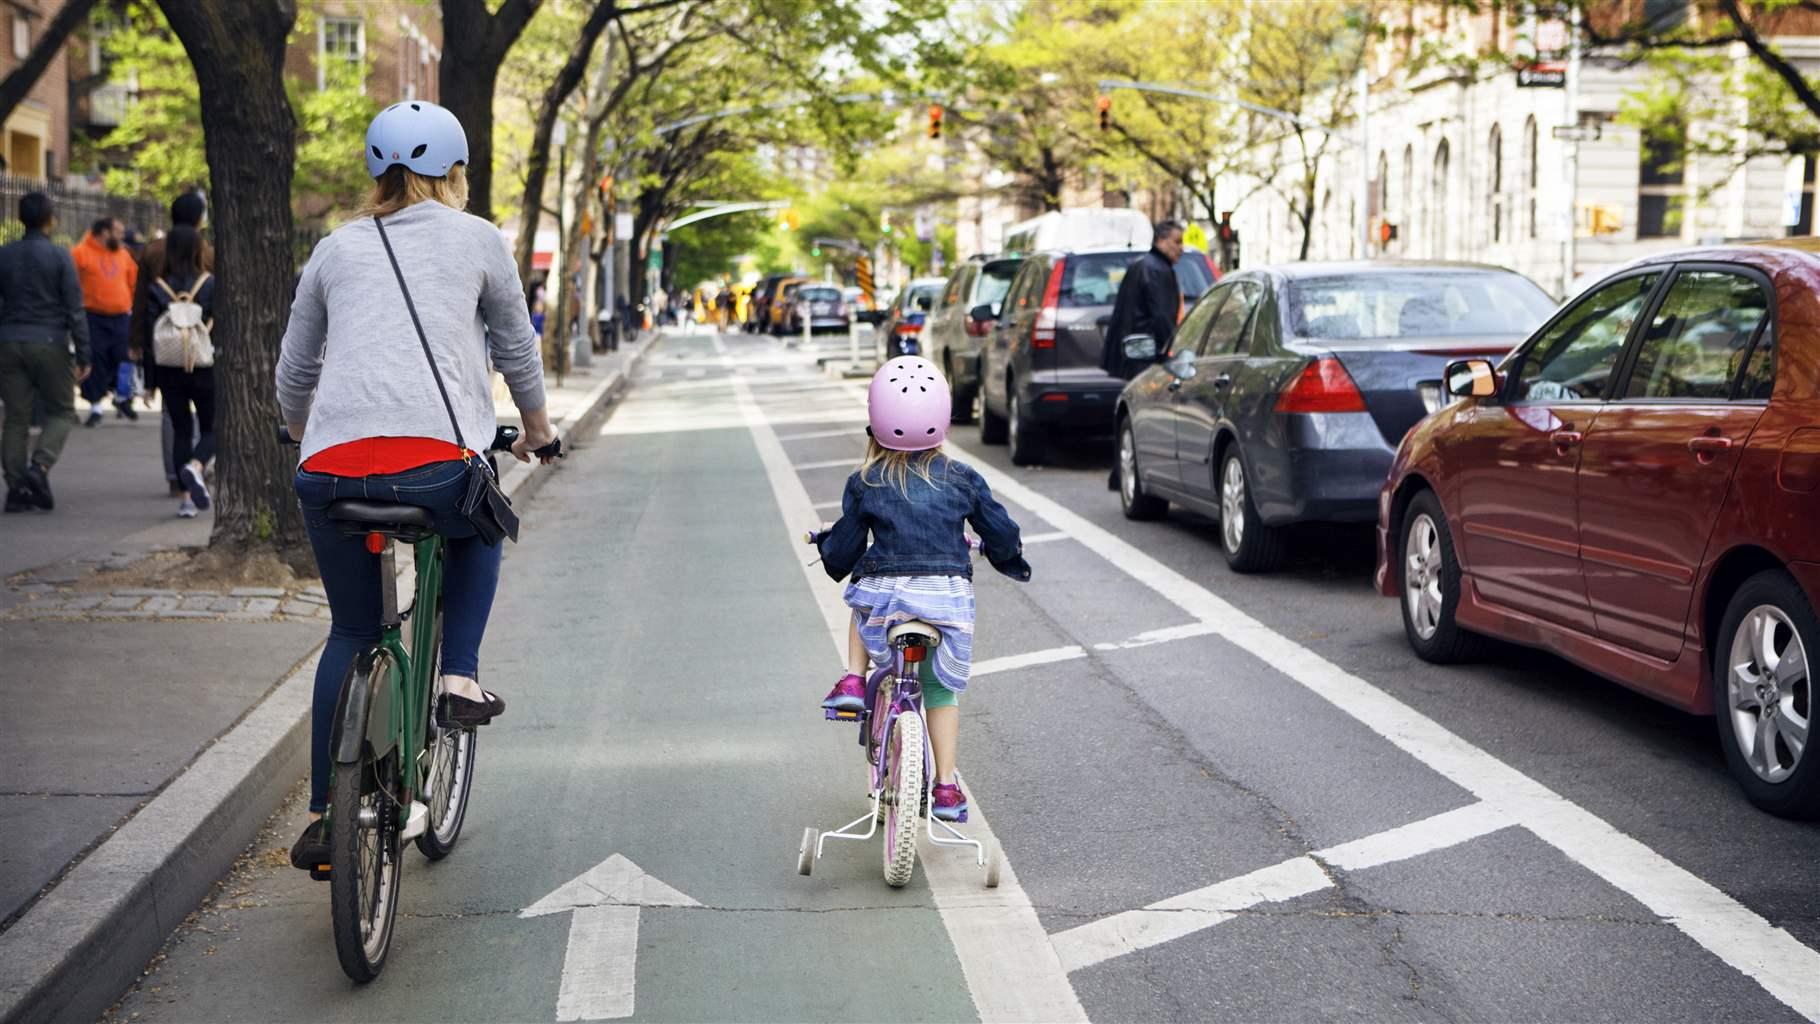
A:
72	954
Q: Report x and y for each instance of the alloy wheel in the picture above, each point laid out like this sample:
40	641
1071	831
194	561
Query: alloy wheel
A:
1232	504
1015	417
1422	575
1771	694
1127	467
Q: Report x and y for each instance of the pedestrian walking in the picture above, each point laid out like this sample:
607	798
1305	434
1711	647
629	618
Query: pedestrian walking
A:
44	353
107	274
1149	302
183	348
190	209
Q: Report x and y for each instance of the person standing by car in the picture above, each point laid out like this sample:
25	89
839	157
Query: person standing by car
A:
188	209
108	275
1148	302
40	317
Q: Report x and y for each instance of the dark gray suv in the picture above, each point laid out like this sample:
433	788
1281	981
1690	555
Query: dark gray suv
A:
952	337
1040	370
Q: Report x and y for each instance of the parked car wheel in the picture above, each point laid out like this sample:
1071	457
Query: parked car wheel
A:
1136	504
960	400
992	425
1025	437
1248	544
1763	694
1429	575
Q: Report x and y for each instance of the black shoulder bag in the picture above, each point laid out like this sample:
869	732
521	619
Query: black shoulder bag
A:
484	505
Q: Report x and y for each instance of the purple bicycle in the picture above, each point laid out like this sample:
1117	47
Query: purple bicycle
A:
899	762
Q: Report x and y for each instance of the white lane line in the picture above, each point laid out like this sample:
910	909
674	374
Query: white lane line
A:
1045	538
1205	907
1012	662
1726	928
820	505
1011	969
814	434
1161	636
802	467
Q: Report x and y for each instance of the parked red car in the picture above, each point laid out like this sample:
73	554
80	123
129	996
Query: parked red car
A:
1637	489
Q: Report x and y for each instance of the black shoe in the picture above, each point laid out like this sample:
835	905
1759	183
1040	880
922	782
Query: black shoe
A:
311	850
38	483
453	712
126	409
94	418
18	499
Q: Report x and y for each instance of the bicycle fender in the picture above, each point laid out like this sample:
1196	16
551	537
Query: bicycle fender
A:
363	717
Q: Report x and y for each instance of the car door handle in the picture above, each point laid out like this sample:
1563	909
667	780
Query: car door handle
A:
1706	447
1223	381
1565	439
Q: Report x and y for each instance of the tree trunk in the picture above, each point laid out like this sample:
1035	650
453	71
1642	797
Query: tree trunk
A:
474	44
237	50
44	50
537	161
587	206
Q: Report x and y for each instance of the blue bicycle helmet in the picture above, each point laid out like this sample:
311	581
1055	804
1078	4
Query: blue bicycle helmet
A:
422	136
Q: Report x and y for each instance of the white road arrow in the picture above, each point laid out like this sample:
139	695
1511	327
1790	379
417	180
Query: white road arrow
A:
601	967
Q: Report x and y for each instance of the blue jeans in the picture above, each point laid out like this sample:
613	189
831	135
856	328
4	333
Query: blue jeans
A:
350	577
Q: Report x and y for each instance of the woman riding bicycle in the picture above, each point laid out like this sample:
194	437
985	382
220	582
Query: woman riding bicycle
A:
357	391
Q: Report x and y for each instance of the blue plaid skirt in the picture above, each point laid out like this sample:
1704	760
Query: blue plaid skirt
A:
945	602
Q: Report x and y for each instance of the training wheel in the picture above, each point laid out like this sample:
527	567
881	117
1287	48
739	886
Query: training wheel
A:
995	859
805	857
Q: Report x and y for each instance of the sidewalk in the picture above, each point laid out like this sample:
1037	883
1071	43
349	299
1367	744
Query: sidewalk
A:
116	692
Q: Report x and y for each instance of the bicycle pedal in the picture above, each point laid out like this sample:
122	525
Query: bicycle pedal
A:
320	872
841	716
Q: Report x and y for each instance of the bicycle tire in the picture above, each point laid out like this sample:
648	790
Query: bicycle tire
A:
905	785
363	903
451	753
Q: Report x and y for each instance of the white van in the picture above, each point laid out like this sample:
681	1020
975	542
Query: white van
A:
1096	228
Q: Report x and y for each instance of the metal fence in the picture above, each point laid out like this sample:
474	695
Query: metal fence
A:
77	209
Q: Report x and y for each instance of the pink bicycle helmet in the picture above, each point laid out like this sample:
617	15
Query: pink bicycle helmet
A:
908	405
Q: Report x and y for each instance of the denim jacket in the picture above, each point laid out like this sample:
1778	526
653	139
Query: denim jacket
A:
918	531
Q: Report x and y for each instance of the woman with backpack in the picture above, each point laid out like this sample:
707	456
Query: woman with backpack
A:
182	309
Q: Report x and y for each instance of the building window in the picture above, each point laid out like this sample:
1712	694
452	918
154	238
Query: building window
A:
339	39
1661	188
22	36
1438	222
1531	162
1497	185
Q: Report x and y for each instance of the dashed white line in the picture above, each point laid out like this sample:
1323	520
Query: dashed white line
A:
802	467
1013	662
1011	968
852	432
1045	538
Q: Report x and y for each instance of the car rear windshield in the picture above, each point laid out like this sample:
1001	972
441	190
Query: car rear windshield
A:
922	296
1415	304
994	281
819	294
1093	279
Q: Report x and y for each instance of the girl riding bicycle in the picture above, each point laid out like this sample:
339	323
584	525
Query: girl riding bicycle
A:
913	502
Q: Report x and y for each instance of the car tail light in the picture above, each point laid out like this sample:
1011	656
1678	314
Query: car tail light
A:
907	328
1323	386
978	328
1042	331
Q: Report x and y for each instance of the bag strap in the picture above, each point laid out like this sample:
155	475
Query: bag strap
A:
166	285
425	341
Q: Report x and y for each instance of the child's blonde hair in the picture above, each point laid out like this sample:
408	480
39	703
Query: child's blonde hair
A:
400	187
888	466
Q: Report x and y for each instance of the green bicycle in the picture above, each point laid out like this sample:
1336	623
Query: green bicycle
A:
398	775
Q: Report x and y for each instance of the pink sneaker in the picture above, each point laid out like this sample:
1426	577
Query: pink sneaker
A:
848	695
949	803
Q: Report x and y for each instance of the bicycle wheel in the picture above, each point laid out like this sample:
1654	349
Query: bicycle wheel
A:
364	851
448	776
904	788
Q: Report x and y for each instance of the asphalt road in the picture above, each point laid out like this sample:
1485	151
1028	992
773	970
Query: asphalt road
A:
1322	827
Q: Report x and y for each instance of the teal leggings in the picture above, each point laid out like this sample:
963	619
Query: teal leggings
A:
935	695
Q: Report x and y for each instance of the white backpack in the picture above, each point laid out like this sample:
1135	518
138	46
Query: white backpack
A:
180	337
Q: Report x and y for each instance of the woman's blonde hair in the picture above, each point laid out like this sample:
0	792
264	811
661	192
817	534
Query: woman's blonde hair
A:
887	466
400	187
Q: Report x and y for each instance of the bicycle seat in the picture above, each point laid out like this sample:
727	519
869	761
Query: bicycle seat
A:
381	516
932	637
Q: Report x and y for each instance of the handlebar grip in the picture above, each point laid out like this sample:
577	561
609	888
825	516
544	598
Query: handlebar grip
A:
553	450
284	436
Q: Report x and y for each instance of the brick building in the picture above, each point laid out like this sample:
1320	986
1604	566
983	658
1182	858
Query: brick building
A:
37	134
400	42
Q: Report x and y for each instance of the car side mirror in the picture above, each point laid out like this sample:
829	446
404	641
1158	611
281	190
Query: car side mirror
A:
1181	365
1471	378
1140	348
983	312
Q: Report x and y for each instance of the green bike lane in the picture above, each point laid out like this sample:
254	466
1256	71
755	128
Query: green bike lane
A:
658	649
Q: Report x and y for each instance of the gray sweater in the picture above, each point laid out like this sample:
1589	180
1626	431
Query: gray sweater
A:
350	366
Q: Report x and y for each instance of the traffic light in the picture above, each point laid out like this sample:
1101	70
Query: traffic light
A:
791	220
1387	232
1105	103
1227	231
935	120
884	222
816	251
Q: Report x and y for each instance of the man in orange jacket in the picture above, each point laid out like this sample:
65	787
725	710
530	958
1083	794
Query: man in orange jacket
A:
108	273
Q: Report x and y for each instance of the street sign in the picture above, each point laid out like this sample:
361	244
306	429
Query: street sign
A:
1576	132
1195	237
600	969
862	272
1542	76
925	224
